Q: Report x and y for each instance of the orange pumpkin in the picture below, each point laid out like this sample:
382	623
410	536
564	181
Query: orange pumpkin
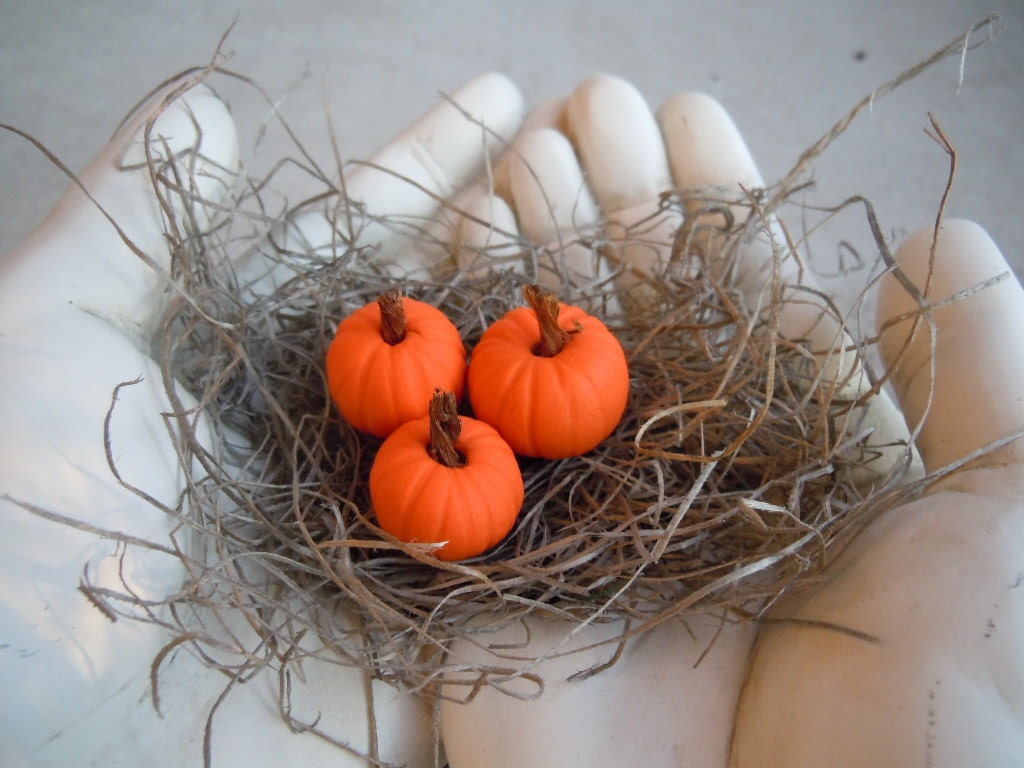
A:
388	357
550	378
446	478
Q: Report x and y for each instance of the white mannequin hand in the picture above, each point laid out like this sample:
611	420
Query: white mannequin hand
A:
814	696
78	310
935	583
75	310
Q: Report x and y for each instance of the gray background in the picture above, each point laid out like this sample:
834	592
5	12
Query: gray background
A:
70	69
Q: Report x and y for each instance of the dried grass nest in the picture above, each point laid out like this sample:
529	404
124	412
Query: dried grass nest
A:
728	477
726	482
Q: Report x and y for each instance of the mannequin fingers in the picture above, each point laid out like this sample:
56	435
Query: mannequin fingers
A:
714	170
433	158
550	114
618	141
77	257
547	188
440	151
478	228
621	149
554	207
547	116
195	131
485	235
712	167
705	148
392	200
805	318
840	378
966	389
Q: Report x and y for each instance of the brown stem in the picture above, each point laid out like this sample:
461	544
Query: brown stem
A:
392	317
552	336
445	428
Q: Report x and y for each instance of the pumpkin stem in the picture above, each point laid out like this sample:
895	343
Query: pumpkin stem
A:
445	429
546	306
392	317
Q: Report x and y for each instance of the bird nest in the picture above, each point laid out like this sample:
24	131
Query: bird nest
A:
734	472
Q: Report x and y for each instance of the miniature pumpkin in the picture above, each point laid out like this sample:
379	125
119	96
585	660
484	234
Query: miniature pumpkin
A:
446	478
388	357
550	378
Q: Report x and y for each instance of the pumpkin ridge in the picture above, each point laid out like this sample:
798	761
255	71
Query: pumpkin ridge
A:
465	518
388	384
353	372
391	463
518	400
435	349
517	327
489	508
430	355
434	517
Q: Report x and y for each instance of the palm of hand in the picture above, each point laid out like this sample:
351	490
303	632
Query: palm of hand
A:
934	585
942	656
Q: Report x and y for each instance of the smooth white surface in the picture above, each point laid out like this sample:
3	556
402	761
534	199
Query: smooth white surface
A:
674	714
